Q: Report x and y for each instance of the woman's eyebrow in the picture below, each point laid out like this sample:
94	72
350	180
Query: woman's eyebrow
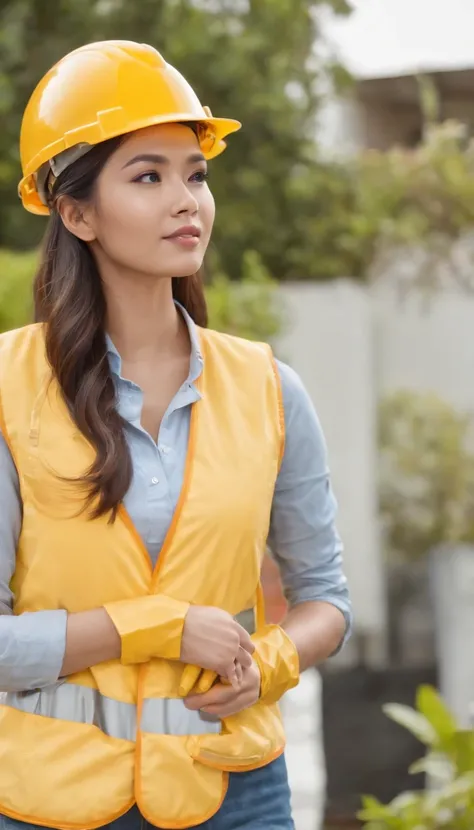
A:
154	158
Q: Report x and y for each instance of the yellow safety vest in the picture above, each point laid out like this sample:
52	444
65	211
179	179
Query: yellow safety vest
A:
80	753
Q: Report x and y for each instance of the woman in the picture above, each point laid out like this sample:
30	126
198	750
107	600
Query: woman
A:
145	461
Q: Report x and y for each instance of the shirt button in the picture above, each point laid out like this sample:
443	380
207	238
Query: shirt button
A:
164	449
155	480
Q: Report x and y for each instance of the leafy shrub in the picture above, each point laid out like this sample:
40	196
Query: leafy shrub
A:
16	274
249	308
448	804
426	474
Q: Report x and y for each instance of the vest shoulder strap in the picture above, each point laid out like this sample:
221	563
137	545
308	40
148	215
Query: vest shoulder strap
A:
22	369
252	364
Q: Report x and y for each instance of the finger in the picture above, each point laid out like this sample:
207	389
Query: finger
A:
227	678
244	658
218	694
232	707
189	678
232	676
245	641
205	682
222	711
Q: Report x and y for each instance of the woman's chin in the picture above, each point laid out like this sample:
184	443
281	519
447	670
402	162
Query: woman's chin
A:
186	266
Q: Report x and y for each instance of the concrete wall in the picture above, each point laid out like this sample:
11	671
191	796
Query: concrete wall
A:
330	343
426	343
351	344
452	571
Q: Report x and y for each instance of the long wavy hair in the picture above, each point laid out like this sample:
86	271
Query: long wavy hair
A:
69	300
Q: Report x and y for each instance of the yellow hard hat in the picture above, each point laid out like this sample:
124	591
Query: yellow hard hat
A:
101	91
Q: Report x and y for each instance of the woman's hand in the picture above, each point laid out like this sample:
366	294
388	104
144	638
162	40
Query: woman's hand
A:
224	700
213	640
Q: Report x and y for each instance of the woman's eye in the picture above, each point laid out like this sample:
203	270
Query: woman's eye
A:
200	176
152	177
149	178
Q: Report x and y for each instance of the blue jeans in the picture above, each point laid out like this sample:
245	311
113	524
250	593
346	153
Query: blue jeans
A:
254	801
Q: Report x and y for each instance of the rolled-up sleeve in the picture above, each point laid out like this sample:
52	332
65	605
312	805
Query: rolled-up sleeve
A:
32	645
303	537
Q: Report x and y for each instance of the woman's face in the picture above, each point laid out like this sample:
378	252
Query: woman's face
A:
153	211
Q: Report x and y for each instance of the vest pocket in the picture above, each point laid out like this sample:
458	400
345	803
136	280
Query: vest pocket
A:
248	740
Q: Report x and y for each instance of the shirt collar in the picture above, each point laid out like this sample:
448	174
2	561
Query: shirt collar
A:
196	363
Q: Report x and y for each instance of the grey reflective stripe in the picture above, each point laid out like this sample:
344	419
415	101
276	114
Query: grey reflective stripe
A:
247	620
66	701
169	716
69	702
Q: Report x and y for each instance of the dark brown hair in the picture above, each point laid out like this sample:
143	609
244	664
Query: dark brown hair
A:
70	301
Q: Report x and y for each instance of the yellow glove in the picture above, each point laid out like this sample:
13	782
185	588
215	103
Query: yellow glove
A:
149	627
278	661
196	681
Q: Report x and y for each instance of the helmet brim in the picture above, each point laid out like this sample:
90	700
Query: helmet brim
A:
220	128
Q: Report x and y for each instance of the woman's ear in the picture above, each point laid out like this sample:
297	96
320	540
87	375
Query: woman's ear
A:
76	218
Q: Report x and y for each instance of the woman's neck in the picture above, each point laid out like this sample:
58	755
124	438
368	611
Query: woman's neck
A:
143	321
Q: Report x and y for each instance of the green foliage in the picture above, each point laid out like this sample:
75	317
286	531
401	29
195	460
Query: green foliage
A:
16	275
449	803
438	184
362	216
248	308
426	474
421	201
250	59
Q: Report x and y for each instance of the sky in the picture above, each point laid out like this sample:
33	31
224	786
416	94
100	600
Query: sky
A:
384	37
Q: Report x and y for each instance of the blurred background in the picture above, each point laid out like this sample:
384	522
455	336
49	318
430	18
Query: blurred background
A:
344	236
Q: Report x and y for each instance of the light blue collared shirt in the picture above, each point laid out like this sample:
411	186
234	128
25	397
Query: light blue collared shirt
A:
303	537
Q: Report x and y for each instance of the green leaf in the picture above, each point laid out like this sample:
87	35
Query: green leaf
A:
405	802
436	765
413	721
463	750
373	807
381	815
430	704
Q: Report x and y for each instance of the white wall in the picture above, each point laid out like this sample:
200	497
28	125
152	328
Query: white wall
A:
426	343
453	592
330	343
352	344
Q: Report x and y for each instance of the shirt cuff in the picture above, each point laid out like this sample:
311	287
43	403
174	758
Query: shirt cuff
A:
32	648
